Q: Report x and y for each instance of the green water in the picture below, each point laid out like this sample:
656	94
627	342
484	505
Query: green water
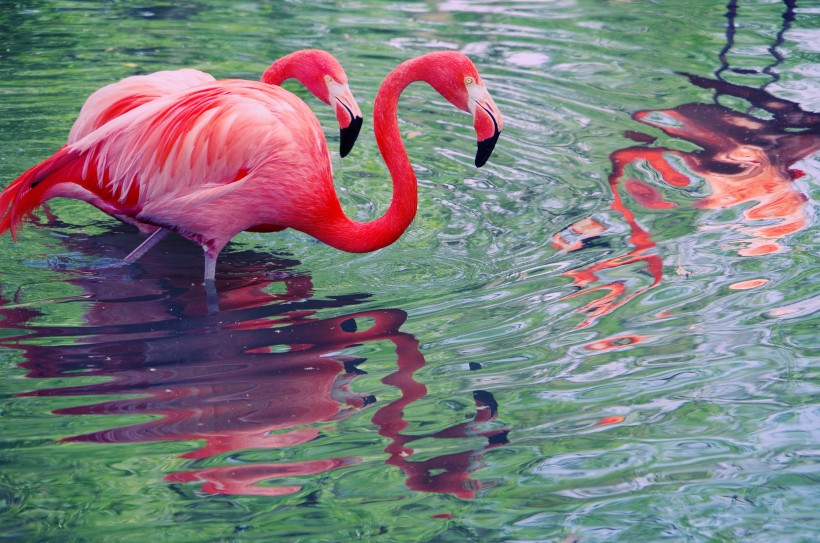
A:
605	334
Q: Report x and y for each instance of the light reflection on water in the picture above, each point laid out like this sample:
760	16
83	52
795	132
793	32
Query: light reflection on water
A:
604	335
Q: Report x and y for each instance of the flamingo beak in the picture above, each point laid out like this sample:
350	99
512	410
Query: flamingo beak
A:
348	135
349	116
487	122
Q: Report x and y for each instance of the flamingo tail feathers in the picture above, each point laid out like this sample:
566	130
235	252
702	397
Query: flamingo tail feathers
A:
29	191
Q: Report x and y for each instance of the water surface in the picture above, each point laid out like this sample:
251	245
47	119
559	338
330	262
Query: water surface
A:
605	334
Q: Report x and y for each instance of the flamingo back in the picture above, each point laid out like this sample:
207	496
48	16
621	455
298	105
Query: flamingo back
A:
117	98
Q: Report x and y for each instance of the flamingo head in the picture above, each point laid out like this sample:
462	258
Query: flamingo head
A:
323	76
455	77
347	111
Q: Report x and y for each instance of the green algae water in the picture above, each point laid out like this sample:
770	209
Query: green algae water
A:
608	333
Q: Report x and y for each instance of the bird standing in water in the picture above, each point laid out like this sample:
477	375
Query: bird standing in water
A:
317	70
228	156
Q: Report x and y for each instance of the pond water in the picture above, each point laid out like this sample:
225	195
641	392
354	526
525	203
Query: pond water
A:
605	334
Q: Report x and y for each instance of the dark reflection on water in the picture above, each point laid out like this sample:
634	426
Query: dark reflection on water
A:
263	373
446	473
744	159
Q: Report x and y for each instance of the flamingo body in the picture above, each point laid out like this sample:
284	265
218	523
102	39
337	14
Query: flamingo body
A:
187	162
317	70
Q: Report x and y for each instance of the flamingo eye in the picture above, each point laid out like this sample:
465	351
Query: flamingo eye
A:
469	80
328	79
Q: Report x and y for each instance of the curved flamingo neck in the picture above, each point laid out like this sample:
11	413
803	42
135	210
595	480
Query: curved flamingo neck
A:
275	74
307	67
343	233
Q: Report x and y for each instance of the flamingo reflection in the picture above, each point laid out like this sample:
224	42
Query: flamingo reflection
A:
445	473
263	373
745	160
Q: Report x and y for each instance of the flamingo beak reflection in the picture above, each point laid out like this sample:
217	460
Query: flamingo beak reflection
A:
488	123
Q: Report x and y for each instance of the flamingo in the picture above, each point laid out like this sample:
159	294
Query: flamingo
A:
228	156
317	70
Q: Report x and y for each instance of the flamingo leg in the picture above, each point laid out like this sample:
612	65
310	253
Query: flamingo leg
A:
210	267
211	295
146	245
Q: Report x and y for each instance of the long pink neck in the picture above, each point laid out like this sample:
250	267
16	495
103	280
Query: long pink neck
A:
343	233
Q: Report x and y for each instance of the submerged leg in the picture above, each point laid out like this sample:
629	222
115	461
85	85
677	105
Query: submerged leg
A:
146	245
212	296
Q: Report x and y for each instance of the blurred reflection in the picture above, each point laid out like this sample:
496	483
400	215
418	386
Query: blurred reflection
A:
446	473
744	159
263	373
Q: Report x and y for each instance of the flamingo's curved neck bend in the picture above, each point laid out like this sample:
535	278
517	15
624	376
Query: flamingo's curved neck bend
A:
282	70
343	233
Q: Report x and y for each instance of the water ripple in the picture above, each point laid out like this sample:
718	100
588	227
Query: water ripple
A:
605	334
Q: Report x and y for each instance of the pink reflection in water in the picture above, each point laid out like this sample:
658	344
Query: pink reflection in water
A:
743	159
263	373
447	473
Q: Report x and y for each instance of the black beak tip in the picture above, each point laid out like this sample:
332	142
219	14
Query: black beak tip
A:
348	135
485	149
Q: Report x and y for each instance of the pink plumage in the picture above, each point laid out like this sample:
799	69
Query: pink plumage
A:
117	98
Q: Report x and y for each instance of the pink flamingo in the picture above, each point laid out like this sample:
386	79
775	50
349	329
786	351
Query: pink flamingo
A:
224	157
317	70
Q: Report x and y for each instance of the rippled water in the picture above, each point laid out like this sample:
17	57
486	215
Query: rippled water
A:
605	334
